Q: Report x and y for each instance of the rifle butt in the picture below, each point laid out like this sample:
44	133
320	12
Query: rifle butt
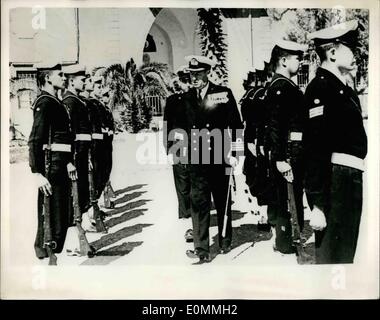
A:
84	247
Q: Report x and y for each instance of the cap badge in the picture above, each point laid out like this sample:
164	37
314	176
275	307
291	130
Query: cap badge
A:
194	62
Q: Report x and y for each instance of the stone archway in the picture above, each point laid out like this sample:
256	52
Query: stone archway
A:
174	31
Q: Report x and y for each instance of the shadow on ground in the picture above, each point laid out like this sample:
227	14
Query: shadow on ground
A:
107	256
131	207
128	189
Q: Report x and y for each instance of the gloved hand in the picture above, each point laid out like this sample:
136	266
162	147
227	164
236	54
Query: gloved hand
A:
285	169
318	219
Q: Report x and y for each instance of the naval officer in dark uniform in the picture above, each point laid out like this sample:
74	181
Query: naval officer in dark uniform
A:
81	129
214	125
175	130
284	134
51	122
175	125
336	145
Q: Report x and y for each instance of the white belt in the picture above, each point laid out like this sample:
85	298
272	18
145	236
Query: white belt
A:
104	130
97	136
83	137
347	160
110	133
295	136
238	145
61	147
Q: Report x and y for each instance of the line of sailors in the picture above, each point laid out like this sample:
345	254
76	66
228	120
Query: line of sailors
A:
71	112
315	140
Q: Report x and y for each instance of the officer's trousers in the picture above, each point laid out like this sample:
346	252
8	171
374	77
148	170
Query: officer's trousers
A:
207	180
337	242
278	214
182	185
59	216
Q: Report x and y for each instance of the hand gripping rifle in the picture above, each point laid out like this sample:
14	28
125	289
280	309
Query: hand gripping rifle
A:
84	246
302	256
49	243
100	227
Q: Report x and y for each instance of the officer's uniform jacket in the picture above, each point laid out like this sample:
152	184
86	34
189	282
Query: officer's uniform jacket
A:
217	110
50	115
175	117
335	126
287	116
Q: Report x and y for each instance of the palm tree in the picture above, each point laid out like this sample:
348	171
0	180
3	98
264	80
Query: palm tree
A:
130	86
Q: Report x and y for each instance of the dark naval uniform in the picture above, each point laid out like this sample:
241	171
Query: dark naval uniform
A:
97	146
336	144
109	126
284	134
252	110
175	130
208	119
51	116
82	131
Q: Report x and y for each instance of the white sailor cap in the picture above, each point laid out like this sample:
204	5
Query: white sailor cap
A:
75	70
291	46
48	65
199	63
346	33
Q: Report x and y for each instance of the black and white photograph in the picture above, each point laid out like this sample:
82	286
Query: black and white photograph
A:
190	149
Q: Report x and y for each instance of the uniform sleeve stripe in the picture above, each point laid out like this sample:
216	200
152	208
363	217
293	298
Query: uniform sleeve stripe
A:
317	111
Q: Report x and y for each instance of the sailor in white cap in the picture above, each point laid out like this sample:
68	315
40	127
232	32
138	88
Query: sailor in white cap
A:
253	111
176	145
51	132
109	124
283	139
336	145
81	127
211	113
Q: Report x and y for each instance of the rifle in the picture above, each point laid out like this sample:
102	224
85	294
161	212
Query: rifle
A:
84	246
302	256
49	243
108	194
100	227
224	230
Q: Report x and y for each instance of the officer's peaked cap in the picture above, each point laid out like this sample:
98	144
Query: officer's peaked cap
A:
199	63
346	33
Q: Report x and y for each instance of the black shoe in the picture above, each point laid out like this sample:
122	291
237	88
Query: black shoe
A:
189	235
291	250
225	249
266	227
202	256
